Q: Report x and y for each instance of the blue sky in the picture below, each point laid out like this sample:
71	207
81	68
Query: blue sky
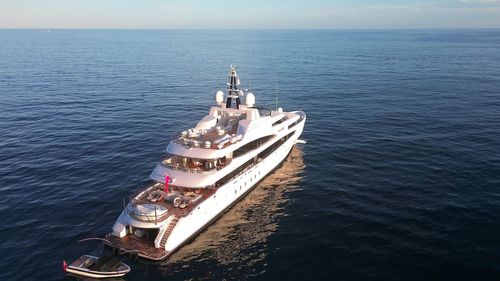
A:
250	14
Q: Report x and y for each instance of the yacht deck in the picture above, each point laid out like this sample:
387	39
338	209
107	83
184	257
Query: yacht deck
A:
131	244
216	132
191	199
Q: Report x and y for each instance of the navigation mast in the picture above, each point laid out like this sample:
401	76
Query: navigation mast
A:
233	93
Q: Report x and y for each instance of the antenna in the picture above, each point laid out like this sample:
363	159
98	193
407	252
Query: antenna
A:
276	91
249	82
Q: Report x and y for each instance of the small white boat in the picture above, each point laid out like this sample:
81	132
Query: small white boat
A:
97	267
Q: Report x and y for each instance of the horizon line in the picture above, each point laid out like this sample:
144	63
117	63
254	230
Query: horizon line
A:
248	29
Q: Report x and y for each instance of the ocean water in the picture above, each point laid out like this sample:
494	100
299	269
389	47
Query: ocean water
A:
399	179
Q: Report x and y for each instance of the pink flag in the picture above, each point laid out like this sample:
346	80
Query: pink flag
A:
167	181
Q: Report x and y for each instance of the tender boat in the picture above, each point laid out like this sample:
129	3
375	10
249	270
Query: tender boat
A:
97	267
205	171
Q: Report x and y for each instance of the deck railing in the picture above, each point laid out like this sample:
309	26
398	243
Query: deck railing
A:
167	162
193	143
136	213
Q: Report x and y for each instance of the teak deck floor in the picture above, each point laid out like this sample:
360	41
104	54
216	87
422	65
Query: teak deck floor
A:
205	192
132	244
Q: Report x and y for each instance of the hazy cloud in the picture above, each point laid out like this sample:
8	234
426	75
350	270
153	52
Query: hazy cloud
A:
291	14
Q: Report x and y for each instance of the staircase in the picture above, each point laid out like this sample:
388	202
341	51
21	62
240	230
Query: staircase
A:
169	230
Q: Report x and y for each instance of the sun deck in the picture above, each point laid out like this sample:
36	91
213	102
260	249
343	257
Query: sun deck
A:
218	137
177	201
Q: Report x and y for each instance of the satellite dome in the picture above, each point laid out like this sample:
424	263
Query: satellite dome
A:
219	97
250	99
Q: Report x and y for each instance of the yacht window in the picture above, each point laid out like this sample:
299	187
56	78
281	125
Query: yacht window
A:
145	234
251	146
279	121
234	173
275	146
295	123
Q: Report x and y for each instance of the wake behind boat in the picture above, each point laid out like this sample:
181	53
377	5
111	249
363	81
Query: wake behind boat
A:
205	171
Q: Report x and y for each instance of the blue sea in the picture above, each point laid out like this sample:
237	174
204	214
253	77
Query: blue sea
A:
399	179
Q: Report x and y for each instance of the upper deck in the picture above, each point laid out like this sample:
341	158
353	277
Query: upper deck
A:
217	134
221	128
200	167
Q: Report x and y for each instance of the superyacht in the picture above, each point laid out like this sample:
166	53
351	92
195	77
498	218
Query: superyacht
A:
205	171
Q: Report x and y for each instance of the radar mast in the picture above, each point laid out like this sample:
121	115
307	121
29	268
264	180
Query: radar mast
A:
233	93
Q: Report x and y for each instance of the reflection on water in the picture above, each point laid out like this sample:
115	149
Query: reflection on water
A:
80	278
240	235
